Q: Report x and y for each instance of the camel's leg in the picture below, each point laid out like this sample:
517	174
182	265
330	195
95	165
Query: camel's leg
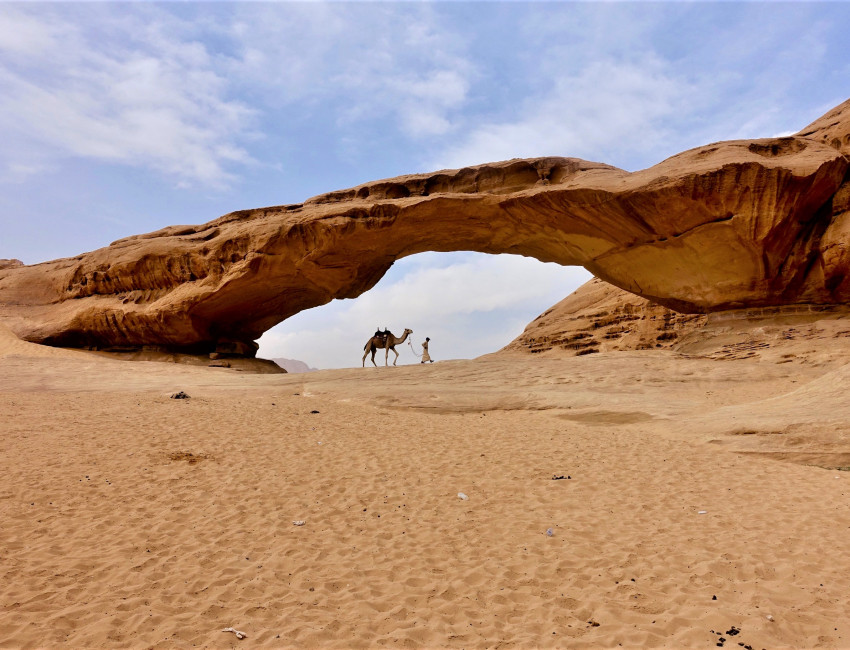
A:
387	356
396	356
365	354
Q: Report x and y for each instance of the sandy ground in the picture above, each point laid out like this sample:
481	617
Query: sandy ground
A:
690	497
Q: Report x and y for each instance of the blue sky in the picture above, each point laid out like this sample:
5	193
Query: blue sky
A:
122	118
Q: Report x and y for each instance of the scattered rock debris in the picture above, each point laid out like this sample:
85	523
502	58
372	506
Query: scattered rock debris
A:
180	395
732	631
555	477
187	456
239	635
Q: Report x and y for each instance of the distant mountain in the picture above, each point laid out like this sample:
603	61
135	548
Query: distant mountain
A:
293	365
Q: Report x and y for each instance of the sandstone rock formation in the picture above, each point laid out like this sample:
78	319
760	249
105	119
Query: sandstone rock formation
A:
727	225
599	317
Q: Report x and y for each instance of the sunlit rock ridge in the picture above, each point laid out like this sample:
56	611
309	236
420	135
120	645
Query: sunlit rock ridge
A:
727	225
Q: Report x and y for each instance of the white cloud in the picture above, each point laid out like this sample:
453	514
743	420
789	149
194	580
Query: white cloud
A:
481	284
469	304
366	62
142	87
25	35
605	110
143	96
19	172
425	100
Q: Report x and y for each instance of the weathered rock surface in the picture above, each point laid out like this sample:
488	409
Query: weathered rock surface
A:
599	317
728	225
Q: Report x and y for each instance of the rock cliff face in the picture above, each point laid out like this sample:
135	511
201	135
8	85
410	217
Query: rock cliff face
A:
727	225
599	317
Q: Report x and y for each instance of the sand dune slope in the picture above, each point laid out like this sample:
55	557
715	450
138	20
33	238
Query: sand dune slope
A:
12	345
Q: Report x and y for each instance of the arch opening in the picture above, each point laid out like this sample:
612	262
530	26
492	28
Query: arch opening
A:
468	303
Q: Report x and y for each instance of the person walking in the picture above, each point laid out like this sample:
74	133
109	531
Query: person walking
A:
425	355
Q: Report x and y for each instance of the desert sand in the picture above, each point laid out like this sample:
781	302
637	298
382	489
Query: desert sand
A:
639	498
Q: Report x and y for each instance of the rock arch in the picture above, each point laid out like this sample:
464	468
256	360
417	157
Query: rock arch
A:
727	225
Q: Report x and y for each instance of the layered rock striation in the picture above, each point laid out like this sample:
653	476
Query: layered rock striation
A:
599	317
728	225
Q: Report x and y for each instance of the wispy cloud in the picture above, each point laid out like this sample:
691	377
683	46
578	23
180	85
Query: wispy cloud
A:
18	172
143	95
142	86
606	110
358	63
632	84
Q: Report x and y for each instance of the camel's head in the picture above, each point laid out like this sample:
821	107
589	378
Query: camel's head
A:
408	331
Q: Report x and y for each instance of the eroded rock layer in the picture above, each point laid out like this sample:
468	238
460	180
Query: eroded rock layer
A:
727	225
599	317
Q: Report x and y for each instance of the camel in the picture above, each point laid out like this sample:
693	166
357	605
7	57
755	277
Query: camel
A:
376	343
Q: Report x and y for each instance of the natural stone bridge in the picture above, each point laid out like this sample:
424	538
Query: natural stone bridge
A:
728	225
